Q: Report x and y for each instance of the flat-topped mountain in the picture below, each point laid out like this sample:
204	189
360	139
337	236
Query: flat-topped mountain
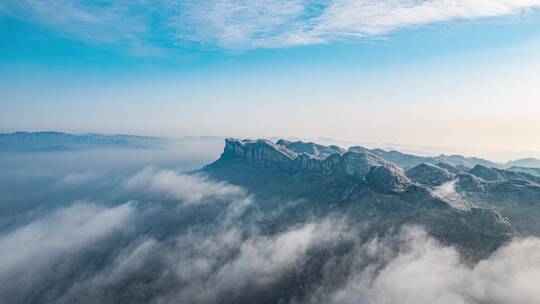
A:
308	156
357	162
367	187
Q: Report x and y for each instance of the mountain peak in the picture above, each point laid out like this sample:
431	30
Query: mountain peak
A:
486	173
387	178
430	175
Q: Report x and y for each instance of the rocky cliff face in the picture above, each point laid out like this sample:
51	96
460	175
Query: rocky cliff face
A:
312	149
258	150
316	158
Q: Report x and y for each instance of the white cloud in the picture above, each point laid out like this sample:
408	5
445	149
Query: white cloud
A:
28	249
448	193
208	266
374	17
103	23
229	263
223	262
79	178
425	272
64	240
238	24
510	275
184	187
262	259
131	262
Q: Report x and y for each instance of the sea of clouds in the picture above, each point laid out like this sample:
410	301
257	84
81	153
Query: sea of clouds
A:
152	234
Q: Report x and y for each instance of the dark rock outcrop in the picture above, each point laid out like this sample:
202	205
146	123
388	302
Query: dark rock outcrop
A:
258	150
387	178
430	175
470	183
449	168
327	160
485	173
312	149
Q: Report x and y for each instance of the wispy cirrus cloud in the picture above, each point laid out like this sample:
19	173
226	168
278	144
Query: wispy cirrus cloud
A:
240	25
235	24
102	22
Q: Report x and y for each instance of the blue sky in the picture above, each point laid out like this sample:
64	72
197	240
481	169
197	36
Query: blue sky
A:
439	73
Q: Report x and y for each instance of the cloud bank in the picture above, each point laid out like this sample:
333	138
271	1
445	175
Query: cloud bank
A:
184	187
448	193
29	253
63	230
424	271
220	248
241	25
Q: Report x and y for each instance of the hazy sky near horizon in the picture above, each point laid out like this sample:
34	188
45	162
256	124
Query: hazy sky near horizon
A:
443	73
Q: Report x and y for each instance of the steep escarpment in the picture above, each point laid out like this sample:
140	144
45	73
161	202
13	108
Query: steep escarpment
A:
297	156
361	185
258	150
266	166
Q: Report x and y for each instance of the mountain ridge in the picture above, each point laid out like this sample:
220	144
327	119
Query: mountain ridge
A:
53	141
404	160
364	186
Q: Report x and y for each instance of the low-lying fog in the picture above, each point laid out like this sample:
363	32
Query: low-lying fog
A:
43	179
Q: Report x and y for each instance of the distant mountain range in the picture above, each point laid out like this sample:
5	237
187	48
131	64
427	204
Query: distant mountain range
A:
468	202
57	141
409	160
